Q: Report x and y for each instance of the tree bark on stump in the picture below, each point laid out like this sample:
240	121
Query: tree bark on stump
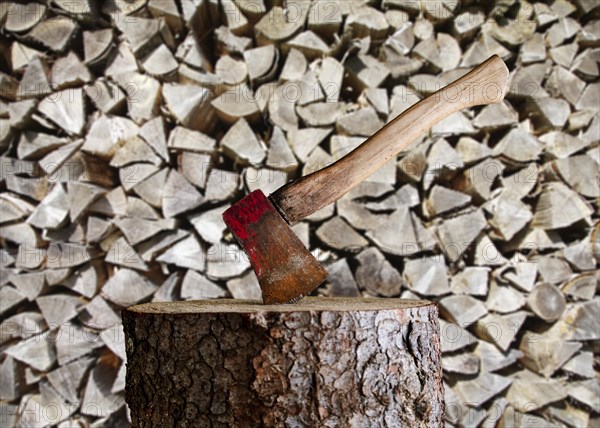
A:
324	362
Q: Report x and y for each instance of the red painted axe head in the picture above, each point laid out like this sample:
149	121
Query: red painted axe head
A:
285	269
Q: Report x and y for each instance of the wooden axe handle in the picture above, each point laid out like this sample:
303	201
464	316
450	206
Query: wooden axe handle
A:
485	84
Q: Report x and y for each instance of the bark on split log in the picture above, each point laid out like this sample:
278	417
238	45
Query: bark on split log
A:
321	362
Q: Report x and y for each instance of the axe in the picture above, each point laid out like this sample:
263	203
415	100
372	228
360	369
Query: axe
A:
285	269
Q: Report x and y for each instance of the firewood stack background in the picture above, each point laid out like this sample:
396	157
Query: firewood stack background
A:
127	128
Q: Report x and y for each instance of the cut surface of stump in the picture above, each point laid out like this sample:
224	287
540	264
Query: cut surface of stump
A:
322	361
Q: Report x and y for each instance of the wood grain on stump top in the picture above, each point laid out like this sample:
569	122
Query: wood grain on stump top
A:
336	304
323	362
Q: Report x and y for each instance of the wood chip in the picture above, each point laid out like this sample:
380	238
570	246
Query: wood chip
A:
21	17
232	72
52	210
69	71
518	145
275	27
97	394
330	76
310	44
68	378
35	82
509	215
496	116
12	380
562	145
549	113
58	308
182	138
267	180
581	286
407	195
151	189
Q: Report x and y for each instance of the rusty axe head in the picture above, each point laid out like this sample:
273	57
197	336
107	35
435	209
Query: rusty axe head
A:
285	269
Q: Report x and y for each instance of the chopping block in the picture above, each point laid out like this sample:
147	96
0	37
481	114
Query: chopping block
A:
323	362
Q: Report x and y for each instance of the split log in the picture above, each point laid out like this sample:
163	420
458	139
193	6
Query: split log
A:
97	45
337	234
311	45
190	105
55	34
279	24
240	143
483	387
547	302
492	359
241	369
236	104
365	72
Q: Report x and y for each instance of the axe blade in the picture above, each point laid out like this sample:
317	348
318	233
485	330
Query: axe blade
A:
285	269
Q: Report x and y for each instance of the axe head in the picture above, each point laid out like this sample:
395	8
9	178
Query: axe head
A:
285	269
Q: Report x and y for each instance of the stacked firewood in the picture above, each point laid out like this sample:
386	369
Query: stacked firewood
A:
128	126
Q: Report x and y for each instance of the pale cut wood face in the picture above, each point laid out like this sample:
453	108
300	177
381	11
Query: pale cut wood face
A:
308	304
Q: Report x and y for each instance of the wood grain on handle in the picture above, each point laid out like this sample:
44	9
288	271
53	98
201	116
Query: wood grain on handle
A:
485	84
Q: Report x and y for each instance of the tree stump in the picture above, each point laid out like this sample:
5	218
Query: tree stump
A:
324	362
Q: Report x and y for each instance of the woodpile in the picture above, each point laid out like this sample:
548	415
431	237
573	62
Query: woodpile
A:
128	127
